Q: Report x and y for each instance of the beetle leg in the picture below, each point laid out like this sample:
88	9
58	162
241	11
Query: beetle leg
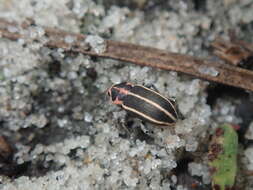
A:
122	124
180	115
126	129
145	130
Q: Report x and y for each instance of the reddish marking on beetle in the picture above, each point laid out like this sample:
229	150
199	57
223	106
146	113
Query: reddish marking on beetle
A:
122	90
117	101
219	131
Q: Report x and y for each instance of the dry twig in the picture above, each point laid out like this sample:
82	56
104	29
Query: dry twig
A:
234	52
146	56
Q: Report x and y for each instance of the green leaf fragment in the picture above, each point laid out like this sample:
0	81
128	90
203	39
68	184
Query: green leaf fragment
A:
223	157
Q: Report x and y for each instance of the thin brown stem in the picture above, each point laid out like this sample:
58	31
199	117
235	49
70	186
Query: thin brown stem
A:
141	55
234	52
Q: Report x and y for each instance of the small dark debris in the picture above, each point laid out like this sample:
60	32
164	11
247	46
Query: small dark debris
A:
216	91
247	63
216	187
54	68
144	137
184	178
92	73
245	112
136	131
6	151
13	170
190	182
70	5
219	132
199	5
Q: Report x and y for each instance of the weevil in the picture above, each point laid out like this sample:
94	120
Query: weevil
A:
145	103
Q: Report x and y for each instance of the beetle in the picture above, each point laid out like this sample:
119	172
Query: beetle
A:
145	103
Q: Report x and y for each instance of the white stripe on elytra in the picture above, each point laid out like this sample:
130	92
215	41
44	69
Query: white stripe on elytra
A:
154	104
166	99
145	116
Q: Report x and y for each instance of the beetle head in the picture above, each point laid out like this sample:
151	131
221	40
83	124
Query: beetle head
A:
118	91
115	95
